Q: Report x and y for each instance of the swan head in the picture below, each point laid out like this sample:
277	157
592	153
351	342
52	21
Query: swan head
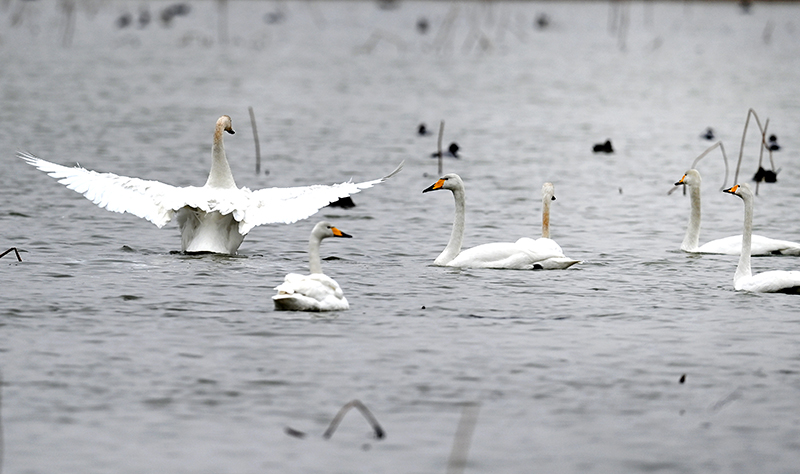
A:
325	229
548	192
742	190
691	178
450	181
224	123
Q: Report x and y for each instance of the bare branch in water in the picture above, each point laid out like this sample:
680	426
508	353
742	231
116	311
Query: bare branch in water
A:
255	137
466	426
16	252
439	146
724	158
379	433
744	133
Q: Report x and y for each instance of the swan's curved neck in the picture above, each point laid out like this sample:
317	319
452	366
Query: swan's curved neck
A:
314	261
546	218
692	239
743	269
220	175
457	236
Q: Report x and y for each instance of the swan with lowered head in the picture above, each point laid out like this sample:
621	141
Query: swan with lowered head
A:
501	255
552	263
729	245
213	218
316	291
767	282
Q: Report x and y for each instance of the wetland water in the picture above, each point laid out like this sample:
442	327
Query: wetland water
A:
118	355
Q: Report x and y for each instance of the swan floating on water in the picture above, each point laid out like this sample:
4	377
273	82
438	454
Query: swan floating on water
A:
729	245
213	218
552	263
524	254
767	282
316	291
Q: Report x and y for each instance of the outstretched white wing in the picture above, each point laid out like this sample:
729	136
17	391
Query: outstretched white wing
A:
287	205
151	200
157	202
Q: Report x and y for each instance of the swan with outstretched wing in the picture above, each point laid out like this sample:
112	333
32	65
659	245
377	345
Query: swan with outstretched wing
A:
212	218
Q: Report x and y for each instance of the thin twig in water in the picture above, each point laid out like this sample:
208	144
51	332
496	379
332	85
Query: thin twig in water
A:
16	252
255	138
379	433
700	157
724	158
439	146
466	426
744	133
2	445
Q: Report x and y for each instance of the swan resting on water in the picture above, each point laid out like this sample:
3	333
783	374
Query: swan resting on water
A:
767	282
316	291
729	245
212	218
552	263
524	254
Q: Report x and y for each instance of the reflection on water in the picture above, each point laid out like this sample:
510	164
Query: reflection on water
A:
120	355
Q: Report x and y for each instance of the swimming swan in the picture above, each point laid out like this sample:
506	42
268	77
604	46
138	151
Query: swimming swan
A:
501	255
728	245
553	263
317	291
212	218
767	282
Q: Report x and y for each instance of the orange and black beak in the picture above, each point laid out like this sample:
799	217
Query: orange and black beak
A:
434	186
339	233
731	190
681	181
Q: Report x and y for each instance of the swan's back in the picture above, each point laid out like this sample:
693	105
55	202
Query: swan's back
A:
506	255
770	282
760	246
314	292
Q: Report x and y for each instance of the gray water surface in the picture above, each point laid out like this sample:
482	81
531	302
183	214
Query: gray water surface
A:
119	355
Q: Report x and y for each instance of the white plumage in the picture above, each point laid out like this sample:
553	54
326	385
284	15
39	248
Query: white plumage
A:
729	245
212	218
545	244
315	291
766	282
524	254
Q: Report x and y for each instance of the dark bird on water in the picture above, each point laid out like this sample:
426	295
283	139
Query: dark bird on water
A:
772	144
603	147
452	151
767	176
708	134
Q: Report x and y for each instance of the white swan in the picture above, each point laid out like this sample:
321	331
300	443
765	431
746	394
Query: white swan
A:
553	263
316	291
729	245
767	282
502	255
212	218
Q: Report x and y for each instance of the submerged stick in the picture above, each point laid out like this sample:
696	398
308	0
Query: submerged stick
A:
16	252
466	426
379	433
255	138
